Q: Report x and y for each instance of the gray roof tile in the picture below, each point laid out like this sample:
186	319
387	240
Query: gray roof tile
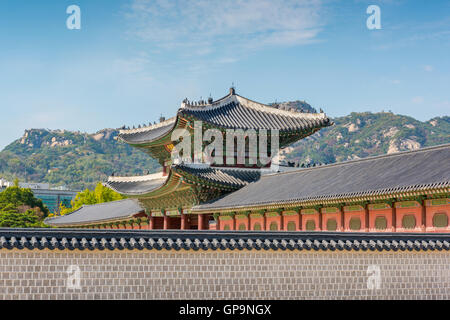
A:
147	134
233	177
71	239
425	168
234	114
98	212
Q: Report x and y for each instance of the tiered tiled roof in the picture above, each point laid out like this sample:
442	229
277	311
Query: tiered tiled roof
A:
405	173
71	239
232	177
230	112
234	111
99	213
136	185
226	177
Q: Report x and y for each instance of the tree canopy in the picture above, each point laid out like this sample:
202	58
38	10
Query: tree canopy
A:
99	195
26	219
20	209
16	198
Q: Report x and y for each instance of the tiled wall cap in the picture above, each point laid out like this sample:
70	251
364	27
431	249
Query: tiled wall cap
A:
69	239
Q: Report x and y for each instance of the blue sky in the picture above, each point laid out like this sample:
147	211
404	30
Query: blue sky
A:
133	60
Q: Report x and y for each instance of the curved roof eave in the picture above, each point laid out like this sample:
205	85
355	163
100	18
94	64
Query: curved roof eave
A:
98	213
147	135
137	186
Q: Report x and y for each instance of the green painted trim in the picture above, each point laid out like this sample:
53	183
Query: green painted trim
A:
407	204
157	214
290	213
272	214
173	213
309	211
379	206
330	210
353	208
438	202
228	214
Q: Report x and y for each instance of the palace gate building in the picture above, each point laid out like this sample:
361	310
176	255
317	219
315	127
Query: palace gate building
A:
402	192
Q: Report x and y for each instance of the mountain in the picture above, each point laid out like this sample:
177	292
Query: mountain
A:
79	160
74	159
361	135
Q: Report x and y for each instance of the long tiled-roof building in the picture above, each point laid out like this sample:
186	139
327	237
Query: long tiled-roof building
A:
403	192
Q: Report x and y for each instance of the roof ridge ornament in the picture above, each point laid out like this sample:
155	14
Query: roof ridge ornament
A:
150	127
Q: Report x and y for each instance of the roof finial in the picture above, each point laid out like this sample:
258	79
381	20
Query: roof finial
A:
232	89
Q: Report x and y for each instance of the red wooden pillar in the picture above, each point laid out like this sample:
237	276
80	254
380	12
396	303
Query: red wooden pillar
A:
166	222
218	223
341	210
151	223
366	216
183	221
424	215
201	221
394	218
319	227
300	220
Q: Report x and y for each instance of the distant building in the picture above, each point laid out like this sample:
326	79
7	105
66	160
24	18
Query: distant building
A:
51	197
5	183
34	186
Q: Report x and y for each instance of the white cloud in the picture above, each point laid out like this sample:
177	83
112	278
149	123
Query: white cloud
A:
428	68
417	100
395	81
204	26
130	65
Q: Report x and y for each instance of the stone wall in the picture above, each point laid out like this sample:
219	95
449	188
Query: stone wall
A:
227	274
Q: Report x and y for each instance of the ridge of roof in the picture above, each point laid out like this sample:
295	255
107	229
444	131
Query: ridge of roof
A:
148	177
149	128
250	104
207	166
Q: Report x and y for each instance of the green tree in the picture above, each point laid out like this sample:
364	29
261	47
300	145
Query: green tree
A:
20	209
26	219
16	197
99	195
